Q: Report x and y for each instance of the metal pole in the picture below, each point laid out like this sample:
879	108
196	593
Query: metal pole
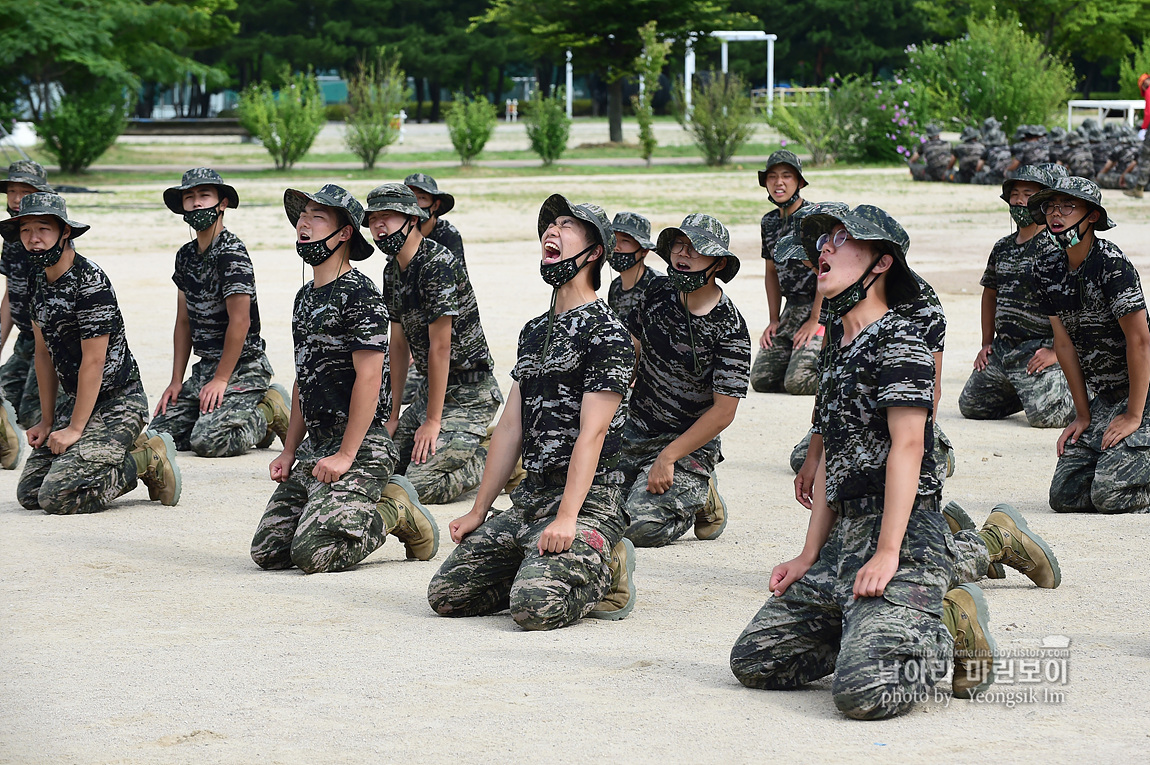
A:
1069	115
770	75
688	70
724	56
570	79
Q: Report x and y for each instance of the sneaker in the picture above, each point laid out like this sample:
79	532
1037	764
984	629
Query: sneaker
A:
958	521
415	526
712	519
278	402
974	649
162	474
11	438
620	599
1022	549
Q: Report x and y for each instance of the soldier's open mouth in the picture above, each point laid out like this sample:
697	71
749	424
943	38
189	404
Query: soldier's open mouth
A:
551	252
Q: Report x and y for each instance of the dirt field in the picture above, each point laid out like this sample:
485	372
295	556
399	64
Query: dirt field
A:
146	634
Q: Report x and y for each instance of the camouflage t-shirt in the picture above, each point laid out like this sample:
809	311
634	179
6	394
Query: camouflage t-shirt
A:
435	284
329	323
924	312
669	394
887	365
1100	152
207	280
1079	161
936	154
1034	152
1010	271
1123	154
78	306
19	273
623	301
1089	301
448	235
997	158
796	281
968	153
590	352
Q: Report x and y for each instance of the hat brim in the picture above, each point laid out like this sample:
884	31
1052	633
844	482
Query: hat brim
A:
294	203
412	209
174	197
446	201
557	205
763	175
817	224
1020	178
1036	199
27	180
635	234
703	243
10	228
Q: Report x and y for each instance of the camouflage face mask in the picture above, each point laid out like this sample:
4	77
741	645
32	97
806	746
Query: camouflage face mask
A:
1067	237
314	253
559	273
689	281
202	219
1020	214
391	244
842	303
49	257
623	261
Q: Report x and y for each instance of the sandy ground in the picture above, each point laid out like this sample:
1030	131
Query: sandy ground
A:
146	634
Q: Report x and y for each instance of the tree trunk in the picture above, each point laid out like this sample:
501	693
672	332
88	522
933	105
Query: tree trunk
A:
419	83
435	91
615	110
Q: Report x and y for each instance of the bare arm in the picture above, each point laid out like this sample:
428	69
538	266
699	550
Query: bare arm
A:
438	368
712	422
239	322
93	353
1071	367
47	383
280	467
181	352
399	356
6	322
818	529
505	450
1138	366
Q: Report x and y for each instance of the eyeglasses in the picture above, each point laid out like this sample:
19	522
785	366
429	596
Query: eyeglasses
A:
841	237
683	247
1058	208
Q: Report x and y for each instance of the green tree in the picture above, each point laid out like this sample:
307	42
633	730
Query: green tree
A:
470	123
286	122
376	93
1129	69
603	34
548	126
720	120
83	125
648	65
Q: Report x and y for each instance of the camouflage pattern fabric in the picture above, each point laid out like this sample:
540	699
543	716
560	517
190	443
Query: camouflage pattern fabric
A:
457	465
415	379
1099	153
941	446
925	312
887	365
1033	152
26	171
1004	387
873	646
590	351
1078	160
207	280
233	427
1018	317
1089	302
1124	153
994	168
329	323
448	235
967	155
1117	480
659	519
498	566
96	469
1143	169
434	285
18	380
82	305
18	273
670	395
774	227
783	368
971	558
623	301
935	154
325	527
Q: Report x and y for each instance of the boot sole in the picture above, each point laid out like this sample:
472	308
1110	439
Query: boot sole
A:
959	520
10	413
170	455
726	515
614	616
413	495
982	613
1020	522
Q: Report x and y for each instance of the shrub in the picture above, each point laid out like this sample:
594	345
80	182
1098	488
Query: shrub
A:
721	119
336	112
376	94
286	122
814	125
84	125
470	123
876	121
649	65
1130	68
548	126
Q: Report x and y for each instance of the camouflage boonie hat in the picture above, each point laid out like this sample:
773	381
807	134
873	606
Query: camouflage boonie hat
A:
869	224
1057	133
995	138
198	176
635	226
1025	174
558	205
790	247
708	236
427	184
332	196
1112	130
933	131
26	171
783	157
396	197
1074	139
990	124
40	203
1054	171
1072	186
970	134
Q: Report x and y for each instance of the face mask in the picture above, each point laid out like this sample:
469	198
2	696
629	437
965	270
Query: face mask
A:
1020	214
689	281
391	244
1068	237
203	219
12	213
842	303
49	257
785	204
621	261
559	273
314	253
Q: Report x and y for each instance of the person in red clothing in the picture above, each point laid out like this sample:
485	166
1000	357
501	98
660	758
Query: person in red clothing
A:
1143	169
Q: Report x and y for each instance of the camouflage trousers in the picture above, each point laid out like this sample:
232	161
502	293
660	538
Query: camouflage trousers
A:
920	171
943	454
235	426
498	566
1113	179
457	465
1117	480
659	519
1142	171
817	628
324	527
987	177
18	380
782	367
96	469
1004	387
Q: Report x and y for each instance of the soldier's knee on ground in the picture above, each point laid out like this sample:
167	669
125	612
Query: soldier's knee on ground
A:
651	533
271	559
1053	417
28	495
861	696
56	499
216	445
539	608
